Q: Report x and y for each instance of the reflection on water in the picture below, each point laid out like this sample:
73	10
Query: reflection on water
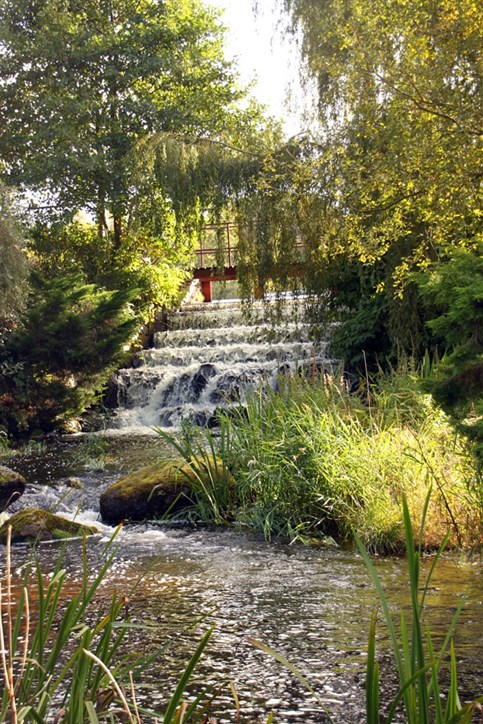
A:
312	605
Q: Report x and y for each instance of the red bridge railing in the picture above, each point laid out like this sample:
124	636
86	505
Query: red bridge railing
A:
211	247
216	257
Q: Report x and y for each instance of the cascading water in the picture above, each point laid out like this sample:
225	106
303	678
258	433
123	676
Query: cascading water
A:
212	355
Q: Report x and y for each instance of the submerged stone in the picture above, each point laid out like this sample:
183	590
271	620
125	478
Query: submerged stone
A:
12	486
35	524
158	490
201	379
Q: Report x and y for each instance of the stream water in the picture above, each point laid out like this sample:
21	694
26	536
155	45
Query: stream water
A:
313	605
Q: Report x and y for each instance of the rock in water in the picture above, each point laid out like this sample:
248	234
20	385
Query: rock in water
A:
156	490
12	486
34	524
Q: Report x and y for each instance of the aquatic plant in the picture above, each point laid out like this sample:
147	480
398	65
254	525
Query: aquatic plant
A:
417	662
30	447
92	453
211	482
3	442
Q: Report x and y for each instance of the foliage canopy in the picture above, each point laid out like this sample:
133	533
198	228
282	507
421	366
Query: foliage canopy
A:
393	180
87	91
83	83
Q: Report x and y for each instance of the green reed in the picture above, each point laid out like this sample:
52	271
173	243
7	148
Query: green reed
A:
208	475
418	664
62	661
311	460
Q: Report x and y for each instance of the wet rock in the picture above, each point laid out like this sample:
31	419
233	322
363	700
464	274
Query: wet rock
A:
201	379
234	412
313	369
71	427
137	360
156	490
12	486
35	524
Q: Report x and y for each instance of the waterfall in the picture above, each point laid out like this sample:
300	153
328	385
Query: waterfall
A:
212	355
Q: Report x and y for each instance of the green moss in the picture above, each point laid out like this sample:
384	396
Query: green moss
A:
35	524
153	491
165	474
9	476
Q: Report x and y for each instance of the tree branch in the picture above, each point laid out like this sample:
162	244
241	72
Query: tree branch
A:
425	105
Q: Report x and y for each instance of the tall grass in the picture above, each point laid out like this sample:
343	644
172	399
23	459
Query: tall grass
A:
311	460
208	475
4	447
31	447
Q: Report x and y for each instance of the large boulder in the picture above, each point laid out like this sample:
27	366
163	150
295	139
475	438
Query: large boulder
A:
12	486
156	490
33	524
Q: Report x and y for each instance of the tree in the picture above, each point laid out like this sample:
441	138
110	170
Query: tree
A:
393	180
454	292
13	269
58	359
83	83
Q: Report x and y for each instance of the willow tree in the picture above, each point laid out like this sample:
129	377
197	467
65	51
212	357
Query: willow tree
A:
82	86
400	88
394	182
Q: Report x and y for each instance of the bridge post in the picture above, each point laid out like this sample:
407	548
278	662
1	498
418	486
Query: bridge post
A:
206	290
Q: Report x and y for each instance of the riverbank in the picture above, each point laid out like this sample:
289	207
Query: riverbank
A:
312	461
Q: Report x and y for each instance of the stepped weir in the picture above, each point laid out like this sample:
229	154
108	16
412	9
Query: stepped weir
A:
210	356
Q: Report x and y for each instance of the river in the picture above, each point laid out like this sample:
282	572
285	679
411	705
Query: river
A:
312	604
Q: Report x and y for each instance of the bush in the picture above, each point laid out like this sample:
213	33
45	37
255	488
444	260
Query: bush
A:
57	361
454	288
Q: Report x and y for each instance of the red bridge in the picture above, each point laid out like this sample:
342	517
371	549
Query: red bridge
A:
215	258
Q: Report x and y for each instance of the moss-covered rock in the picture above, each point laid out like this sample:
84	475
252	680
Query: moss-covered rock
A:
35	524
12	486
155	490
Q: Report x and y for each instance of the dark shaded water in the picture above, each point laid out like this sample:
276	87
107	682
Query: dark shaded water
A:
311	604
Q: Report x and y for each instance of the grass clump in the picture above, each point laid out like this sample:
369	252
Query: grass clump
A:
212	486
92	453
311	460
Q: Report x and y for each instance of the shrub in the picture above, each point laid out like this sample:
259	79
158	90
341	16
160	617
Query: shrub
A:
57	361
